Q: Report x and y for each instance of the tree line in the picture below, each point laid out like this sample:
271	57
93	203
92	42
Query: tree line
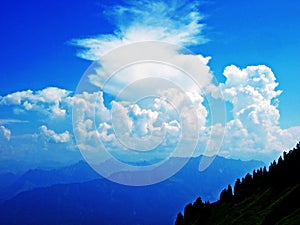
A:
279	174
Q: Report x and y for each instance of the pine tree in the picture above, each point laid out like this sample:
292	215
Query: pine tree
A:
179	219
229	193
237	190
188	214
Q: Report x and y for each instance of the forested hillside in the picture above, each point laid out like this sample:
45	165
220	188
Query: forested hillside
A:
266	197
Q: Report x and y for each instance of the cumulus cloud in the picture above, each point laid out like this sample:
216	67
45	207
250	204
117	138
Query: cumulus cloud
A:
135	127
251	91
5	133
150	128
255	126
92	122
159	65
124	126
176	22
89	106
163	68
47	101
145	119
51	135
254	129
178	85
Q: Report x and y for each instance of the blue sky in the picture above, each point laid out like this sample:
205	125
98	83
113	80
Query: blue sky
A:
39	53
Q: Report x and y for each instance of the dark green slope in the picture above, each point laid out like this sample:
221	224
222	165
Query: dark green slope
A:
263	207
264	198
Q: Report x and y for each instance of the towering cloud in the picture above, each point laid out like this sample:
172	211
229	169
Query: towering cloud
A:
255	126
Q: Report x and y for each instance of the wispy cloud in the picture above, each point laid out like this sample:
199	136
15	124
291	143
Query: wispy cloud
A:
11	121
176	22
5	133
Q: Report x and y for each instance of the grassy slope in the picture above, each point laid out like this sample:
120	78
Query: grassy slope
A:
292	219
265	207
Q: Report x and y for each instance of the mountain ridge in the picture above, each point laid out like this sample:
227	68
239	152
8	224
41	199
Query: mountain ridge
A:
96	200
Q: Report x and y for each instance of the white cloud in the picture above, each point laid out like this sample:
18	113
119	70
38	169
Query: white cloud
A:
53	136
159	66
48	101
5	133
150	125
92	122
176	22
254	129
166	69
89	106
144	120
169	71
179	81
12	121
251	92
255	126
253	84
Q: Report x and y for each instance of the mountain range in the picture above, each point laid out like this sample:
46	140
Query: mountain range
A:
76	194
